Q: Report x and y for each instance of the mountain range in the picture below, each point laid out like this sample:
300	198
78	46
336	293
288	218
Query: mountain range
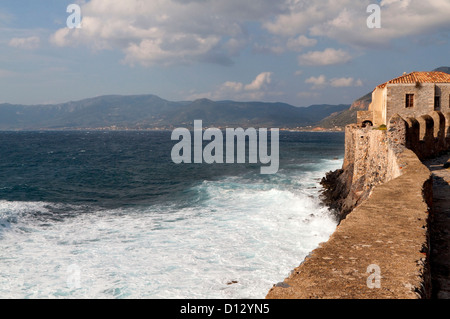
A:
153	112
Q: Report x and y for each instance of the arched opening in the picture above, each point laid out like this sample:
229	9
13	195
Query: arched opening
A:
413	133
447	125
426	127
367	123
439	124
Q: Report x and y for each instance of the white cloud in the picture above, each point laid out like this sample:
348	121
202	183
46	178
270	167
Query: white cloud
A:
187	31
346	20
329	56
300	42
29	43
231	87
168	31
301	15
402	3
345	82
182	49
258	89
318	81
261	81
278	45
322	81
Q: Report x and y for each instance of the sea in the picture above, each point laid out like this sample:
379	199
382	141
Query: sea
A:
108	215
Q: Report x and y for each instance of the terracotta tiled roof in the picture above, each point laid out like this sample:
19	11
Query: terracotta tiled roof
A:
419	77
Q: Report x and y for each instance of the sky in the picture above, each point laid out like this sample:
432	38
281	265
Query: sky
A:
300	52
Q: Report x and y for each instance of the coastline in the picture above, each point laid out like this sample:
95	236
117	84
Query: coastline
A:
165	129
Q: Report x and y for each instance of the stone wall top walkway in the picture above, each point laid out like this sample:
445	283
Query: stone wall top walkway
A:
440	226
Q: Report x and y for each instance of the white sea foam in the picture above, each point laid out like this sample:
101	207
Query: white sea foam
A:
249	232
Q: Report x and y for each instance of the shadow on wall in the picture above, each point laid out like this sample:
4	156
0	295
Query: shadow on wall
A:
428	135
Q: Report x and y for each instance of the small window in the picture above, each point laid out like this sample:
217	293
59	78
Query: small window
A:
437	103
409	100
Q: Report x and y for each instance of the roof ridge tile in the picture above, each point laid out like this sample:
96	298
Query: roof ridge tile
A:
419	77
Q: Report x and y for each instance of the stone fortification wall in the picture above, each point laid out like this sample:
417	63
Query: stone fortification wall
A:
381	249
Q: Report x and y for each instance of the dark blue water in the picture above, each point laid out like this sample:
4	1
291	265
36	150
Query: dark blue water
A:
112	169
134	213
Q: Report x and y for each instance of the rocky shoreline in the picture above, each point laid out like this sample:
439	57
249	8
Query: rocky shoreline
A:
341	194
335	191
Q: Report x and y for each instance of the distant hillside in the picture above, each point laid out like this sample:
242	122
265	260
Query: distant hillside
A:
445	69
341	119
150	111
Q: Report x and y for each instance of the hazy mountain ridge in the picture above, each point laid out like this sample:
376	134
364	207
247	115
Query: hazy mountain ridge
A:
151	112
343	118
445	69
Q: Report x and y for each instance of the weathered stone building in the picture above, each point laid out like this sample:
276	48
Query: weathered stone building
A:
410	96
